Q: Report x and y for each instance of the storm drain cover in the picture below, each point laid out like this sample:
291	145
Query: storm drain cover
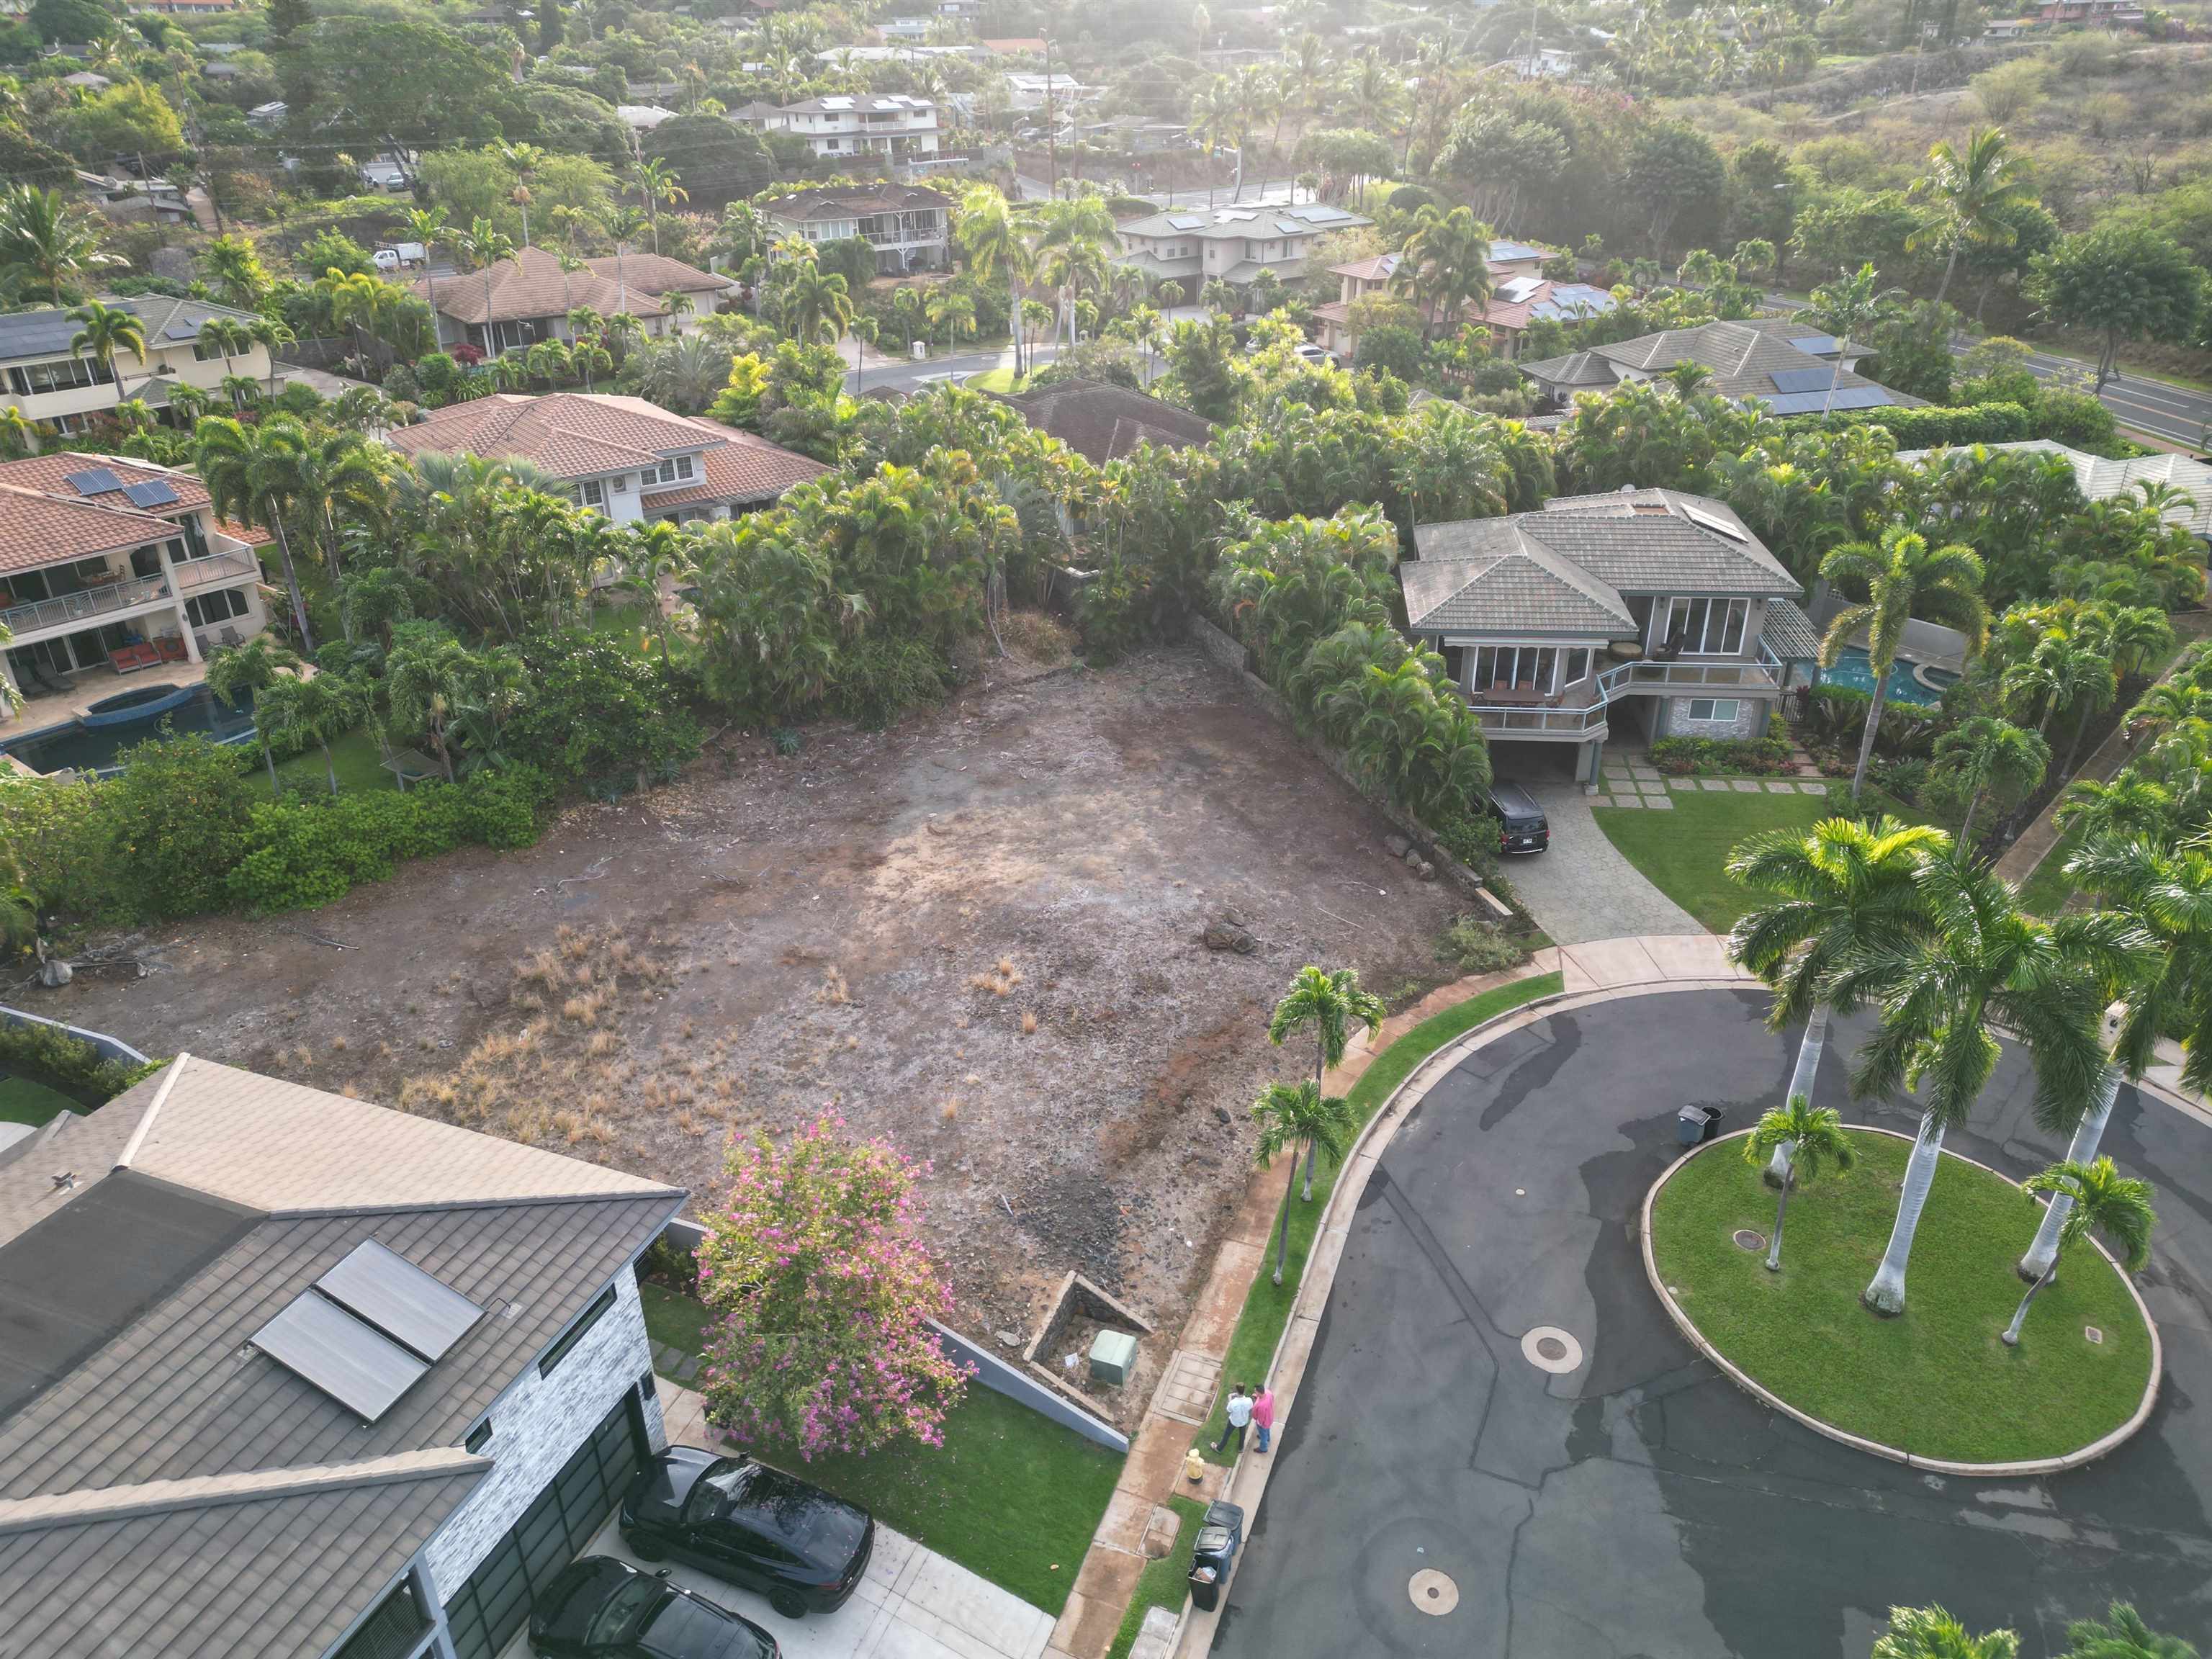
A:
1548	1348
1747	1240
1432	1592
2092	1334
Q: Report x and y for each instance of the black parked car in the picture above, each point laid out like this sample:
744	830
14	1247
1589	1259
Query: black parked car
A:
751	1525
1522	825
599	1607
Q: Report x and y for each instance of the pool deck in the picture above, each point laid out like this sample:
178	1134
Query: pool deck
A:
59	709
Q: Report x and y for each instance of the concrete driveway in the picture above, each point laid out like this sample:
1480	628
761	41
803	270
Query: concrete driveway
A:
1581	888
1636	1503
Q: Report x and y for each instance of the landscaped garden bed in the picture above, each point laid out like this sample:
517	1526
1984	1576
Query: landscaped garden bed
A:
1936	1381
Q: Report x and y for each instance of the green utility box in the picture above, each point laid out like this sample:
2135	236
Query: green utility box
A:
1113	1357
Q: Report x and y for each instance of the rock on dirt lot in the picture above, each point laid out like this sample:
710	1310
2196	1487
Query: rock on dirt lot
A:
978	934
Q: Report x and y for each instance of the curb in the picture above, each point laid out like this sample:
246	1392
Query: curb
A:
2073	1459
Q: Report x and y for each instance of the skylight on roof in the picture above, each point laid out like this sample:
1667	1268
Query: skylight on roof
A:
1713	522
1186	223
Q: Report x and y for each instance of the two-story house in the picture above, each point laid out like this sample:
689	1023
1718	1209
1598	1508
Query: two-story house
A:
1520	293
109	564
890	127
1647	608
1233	243
289	1376
62	388
910	226
518	301
622	457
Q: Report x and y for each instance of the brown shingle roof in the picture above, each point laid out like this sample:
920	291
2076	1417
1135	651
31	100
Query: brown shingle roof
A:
532	284
43	520
1103	422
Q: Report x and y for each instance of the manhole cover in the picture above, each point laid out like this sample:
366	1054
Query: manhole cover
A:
1747	1240
1548	1348
2092	1334
1432	1592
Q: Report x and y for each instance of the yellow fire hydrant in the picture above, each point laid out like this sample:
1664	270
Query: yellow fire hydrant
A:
1194	1467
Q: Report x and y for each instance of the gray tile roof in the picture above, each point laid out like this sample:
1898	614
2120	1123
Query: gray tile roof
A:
1789	633
47	333
1751	359
2099	479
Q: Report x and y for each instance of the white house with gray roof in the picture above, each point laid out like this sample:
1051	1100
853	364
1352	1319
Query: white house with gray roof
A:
288	1376
51	382
1232	243
1647	609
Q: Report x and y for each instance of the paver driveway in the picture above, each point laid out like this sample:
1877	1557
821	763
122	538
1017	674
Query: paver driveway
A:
1582	888
1640	1504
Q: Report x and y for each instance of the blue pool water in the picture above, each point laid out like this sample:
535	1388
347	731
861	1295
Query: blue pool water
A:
94	746
1854	670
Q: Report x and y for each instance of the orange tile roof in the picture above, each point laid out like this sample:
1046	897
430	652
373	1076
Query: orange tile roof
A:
748	468
43	520
532	284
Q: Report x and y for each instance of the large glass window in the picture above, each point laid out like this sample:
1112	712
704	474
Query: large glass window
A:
208	608
1515	669
67	375
1706	627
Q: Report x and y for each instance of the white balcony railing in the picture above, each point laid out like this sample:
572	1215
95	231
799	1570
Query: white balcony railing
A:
193	575
84	605
1629	678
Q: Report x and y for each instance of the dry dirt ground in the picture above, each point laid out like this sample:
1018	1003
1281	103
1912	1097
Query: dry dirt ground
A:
977	934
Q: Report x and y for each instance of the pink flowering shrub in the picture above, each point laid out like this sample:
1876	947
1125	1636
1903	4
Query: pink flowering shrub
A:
826	1292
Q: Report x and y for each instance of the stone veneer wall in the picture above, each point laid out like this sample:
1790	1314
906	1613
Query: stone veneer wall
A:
1750	720
536	1427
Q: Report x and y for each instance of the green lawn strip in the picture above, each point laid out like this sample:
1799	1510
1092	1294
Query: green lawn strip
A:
1164	1582
2045	893
22	1101
1936	1381
1010	1495
1267	1306
359	762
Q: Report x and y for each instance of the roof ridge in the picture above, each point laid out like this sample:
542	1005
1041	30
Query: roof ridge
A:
89	1506
175	1070
78	501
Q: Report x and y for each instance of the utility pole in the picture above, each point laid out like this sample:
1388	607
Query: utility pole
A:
1051	123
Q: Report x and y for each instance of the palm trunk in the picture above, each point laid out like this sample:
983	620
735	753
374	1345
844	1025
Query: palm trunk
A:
292	582
1965	829
2019	1314
1781	1207
1801	1077
2042	1257
1886	1293
269	758
1873	726
2073	743
1283	1232
1313	1147
1014	315
1949	265
331	770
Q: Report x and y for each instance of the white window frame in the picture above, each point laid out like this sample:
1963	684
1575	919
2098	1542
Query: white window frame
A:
1572	675
1733	615
1713	707
594	493
1481	685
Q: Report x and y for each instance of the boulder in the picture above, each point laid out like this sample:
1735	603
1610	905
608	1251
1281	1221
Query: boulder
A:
1396	845
1227	933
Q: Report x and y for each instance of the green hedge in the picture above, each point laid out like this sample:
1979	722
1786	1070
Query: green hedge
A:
69	1061
1685	757
2072	418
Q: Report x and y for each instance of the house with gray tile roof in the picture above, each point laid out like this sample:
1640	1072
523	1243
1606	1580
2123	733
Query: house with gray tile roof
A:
1793	367
289	1376
1231	243
1648	609
2100	478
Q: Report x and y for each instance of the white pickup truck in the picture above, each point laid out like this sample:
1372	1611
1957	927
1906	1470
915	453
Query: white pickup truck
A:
398	255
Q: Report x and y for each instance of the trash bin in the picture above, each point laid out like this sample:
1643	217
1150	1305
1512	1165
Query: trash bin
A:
1694	1124
1219	1535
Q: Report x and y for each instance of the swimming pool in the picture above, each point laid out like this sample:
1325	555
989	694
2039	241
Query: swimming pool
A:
93	742
1908	682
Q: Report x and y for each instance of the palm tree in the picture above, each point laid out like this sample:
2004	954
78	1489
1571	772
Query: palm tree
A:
2122	1634
1984	963
41	232
1986	751
815	304
252	475
660	553
355	300
2099	1199
955	311
340	473
19	433
229	336
1902	575
104	330
1805	1135
318	708
274	333
1294	1116
428	226
1446	265
1330	1003
525	159
1932	1633
2064	671
1851	305
486	246
660	185
986	231
2130	804
1969	194
1844	887
251	667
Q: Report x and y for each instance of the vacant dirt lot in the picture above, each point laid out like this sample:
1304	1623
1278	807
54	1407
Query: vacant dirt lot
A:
977	934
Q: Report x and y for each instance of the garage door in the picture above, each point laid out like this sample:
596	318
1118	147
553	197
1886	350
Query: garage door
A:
495	1604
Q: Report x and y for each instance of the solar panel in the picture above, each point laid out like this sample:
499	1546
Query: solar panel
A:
322	1344
1519	289
1801	379
181	331
152	493
93	481
401	1300
1719	527
1811	403
1187	224
1816	345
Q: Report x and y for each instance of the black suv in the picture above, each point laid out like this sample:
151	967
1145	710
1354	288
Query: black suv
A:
1522	825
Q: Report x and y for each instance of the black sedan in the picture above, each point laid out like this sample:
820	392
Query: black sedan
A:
750	1525
601	1608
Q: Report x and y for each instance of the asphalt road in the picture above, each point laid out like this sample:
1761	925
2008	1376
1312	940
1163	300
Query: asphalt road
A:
1642	1505
2165	411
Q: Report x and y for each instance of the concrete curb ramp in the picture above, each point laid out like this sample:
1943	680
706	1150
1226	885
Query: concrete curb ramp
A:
1750	1385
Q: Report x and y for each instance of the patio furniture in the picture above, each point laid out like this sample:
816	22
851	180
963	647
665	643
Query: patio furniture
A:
129	659
172	648
412	766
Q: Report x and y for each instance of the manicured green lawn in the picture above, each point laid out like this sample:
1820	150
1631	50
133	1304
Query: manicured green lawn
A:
22	1101
1000	381
1010	1495
1685	853
1937	1380
360	765
1268	1307
1164	1582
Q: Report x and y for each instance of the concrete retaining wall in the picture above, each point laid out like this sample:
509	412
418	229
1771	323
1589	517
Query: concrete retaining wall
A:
108	1048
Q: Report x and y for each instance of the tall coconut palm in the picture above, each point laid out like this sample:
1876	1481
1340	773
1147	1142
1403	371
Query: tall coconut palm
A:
428	226
1901	576
273	333
1843	888
1984	963
1294	1116
102	331
1329	1003
43	233
1988	751
1933	1633
339	475
1851	305
2065	671
1811	1135
816	303
252	668
526	160
1969	193
252	475
1445	266
230	337
2100	1200
485	247
357	300
660	185
993	247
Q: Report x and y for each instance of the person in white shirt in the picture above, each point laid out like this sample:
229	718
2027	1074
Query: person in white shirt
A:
1240	1413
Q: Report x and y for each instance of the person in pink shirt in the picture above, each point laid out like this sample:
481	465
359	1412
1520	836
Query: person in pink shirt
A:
1263	1414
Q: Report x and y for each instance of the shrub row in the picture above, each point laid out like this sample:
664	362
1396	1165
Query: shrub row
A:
1685	757
72	1064
2071	418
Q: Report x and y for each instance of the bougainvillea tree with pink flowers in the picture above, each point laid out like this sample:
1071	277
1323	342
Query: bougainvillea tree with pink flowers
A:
825	1292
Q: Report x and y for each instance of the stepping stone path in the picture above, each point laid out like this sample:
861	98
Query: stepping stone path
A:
674	1364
